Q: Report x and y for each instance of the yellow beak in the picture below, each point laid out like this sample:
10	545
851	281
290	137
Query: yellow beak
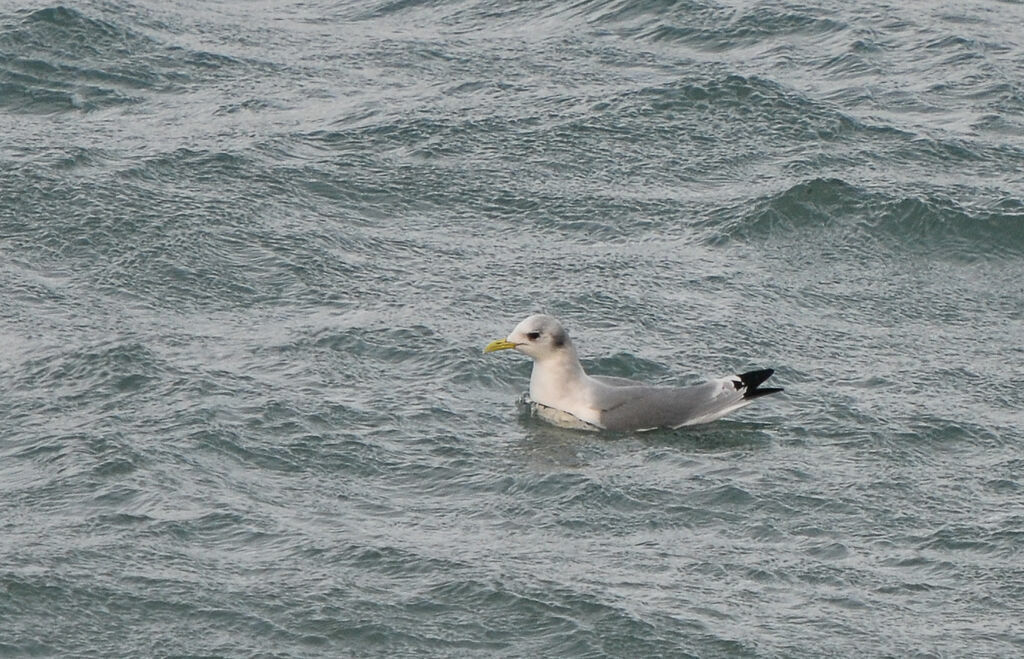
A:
499	344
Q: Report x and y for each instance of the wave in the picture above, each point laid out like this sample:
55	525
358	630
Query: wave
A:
60	59
924	221
704	26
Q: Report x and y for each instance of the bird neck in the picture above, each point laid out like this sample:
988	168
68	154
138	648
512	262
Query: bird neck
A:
555	377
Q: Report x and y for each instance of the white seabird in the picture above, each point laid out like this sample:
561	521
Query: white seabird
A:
559	382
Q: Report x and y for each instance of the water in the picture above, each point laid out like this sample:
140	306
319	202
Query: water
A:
250	254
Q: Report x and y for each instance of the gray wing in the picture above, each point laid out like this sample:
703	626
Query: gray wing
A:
646	407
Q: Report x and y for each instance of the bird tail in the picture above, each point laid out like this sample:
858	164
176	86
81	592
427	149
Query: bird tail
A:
750	381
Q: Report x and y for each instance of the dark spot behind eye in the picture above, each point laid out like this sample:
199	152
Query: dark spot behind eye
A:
533	336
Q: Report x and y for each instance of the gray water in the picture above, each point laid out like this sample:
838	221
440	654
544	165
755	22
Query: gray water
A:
250	254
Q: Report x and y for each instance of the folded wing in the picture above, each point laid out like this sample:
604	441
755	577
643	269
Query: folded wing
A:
639	407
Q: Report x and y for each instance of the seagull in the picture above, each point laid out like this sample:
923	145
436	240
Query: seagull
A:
559	382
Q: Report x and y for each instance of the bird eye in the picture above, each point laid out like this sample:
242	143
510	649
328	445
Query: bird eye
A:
533	336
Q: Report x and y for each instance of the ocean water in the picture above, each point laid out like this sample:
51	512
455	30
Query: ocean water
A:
250	253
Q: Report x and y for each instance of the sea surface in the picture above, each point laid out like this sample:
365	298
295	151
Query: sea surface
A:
250	253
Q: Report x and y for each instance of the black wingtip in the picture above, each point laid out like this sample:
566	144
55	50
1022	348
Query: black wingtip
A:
752	380
756	393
